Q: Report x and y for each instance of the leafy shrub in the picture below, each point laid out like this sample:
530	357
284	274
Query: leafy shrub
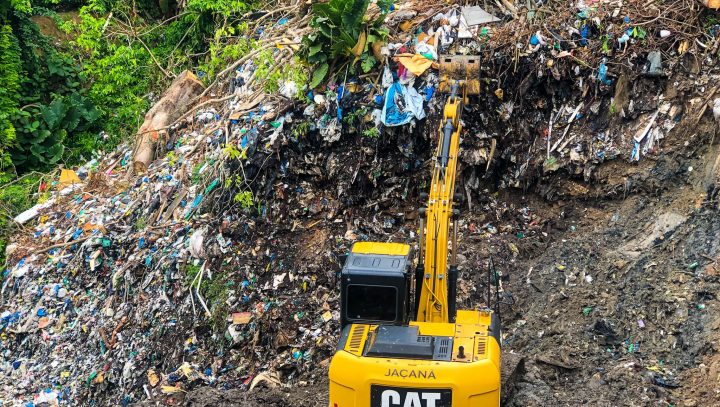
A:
56	96
341	31
9	91
44	129
44	100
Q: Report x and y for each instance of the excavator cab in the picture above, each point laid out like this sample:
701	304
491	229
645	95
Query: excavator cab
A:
375	284
385	358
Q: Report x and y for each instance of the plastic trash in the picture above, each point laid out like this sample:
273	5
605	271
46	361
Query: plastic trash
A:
654	62
602	73
429	91
584	33
289	89
475	15
402	105
196	244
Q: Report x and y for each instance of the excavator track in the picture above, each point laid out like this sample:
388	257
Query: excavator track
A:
513	366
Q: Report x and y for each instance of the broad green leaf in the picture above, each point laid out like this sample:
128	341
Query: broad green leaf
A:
319	58
318	75
321	9
55	113
38	152
314	49
353	14
367	63
42	135
326	30
54	153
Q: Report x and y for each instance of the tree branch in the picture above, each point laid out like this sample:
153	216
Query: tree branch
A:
167	74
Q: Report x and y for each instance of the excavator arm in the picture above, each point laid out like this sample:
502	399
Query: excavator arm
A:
435	281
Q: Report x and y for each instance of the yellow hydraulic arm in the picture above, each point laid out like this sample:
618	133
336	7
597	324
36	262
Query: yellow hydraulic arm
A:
435	305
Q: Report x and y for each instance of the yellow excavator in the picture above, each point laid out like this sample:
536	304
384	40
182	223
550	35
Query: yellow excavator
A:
427	354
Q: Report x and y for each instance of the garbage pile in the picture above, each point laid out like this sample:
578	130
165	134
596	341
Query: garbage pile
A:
217	264
125	285
563	87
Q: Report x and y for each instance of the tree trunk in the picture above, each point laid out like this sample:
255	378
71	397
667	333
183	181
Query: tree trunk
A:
173	104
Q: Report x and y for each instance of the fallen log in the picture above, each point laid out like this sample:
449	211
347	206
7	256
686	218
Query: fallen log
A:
174	102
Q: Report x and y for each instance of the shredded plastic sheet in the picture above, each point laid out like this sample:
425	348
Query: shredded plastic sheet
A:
402	105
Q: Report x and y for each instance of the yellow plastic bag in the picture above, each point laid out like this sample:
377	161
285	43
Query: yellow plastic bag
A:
67	178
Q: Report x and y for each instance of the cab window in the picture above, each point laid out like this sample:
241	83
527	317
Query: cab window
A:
371	302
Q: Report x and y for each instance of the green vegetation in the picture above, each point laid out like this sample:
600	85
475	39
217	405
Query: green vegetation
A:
9	93
140	224
83	82
215	291
14	198
44	97
341	32
372	132
301	129
244	198
216	296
